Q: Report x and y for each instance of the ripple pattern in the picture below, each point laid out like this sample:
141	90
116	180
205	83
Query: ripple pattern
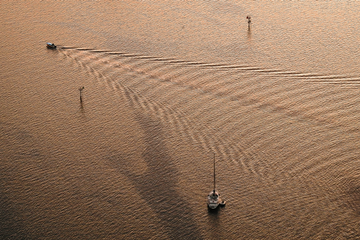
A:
215	104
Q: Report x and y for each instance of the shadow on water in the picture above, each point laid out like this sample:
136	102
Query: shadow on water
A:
17	146
214	222
249	37
158	185
351	193
82	110
213	212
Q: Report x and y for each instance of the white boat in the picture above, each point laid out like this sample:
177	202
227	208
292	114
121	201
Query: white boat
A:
50	45
214	200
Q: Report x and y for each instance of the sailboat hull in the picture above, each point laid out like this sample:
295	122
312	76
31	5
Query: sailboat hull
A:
213	200
213	205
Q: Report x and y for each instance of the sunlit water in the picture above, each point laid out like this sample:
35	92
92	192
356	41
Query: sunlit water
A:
167	85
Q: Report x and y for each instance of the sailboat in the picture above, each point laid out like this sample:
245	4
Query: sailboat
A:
214	200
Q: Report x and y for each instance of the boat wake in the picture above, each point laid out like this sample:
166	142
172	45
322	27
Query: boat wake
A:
233	110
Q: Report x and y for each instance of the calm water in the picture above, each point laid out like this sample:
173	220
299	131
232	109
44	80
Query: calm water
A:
167	84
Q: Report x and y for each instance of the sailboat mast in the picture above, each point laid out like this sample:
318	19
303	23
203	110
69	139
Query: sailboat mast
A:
214	171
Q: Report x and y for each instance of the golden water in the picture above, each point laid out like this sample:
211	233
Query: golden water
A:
167	84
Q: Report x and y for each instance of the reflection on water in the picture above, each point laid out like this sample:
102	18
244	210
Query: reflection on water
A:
166	86
249	33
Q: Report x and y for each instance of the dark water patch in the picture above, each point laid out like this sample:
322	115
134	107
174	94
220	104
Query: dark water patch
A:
11	220
350	187
11	224
158	185
354	193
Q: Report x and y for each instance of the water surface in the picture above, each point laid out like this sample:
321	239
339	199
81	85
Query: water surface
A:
167	84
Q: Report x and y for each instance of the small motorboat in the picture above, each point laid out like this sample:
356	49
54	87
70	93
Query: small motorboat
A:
50	45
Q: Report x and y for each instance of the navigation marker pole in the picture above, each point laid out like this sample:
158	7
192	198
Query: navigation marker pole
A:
249	21
80	89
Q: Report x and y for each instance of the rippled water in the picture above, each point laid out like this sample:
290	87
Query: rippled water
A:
167	84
